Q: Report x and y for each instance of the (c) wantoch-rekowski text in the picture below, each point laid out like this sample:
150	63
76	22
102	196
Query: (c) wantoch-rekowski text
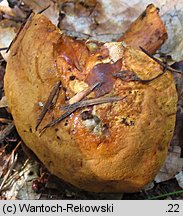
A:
67	208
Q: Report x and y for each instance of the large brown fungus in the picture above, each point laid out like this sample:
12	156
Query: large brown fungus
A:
115	136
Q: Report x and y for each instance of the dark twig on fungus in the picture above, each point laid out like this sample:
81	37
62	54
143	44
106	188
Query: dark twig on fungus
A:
48	103
129	76
41	11
3	48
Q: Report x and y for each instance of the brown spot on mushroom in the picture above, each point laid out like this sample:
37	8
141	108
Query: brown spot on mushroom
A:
161	147
64	89
50	164
72	77
143	15
86	115
105	129
127	122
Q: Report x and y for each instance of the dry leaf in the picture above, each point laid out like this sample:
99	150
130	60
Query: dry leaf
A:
4	3
173	165
173	19
102	20
52	12
179	178
107	20
177	139
5	132
4	7
3	159
8	28
99	19
6	36
8	168
19	184
149	186
116	16
3	102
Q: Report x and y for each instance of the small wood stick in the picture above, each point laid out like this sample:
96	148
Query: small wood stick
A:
3	48
80	95
48	103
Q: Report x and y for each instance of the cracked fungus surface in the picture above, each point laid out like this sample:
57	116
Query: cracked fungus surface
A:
117	146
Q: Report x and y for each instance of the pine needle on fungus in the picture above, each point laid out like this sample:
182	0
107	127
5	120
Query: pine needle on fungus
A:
73	107
129	76
3	48
49	103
